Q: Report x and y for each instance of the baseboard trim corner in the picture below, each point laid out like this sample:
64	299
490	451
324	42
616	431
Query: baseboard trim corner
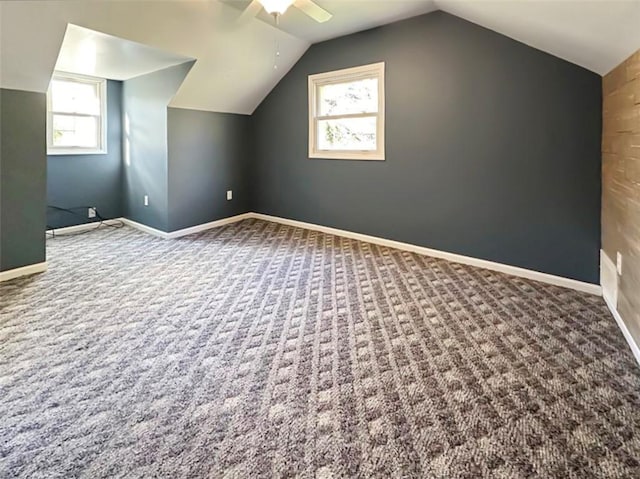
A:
207	226
635	349
23	271
186	231
456	258
145	229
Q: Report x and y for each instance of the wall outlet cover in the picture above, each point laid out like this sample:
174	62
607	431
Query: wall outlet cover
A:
229	195
92	212
619	263
146	200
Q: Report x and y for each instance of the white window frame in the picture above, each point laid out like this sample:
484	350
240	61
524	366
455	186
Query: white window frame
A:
101	149
374	70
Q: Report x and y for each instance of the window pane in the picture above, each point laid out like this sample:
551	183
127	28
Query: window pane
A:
78	131
357	134
360	96
75	97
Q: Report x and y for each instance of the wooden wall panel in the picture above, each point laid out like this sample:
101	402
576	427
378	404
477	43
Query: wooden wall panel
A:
621	183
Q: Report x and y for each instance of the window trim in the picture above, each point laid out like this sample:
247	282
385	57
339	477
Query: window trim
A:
101	149
374	70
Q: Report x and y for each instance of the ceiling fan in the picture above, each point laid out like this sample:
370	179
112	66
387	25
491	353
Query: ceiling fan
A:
279	7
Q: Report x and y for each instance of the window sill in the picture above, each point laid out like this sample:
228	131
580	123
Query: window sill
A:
75	151
341	155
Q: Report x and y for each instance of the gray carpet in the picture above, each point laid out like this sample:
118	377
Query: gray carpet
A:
259	350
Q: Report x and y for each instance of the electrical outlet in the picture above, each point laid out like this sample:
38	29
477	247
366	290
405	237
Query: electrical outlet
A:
229	195
619	263
92	212
146	200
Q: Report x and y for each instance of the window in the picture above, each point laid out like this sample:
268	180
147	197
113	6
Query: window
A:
76	115
346	114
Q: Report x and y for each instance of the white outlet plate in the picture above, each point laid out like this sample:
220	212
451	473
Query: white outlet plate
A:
146	200
619	263
91	213
229	195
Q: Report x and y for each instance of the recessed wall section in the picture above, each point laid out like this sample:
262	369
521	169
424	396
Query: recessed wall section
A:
80	181
209	154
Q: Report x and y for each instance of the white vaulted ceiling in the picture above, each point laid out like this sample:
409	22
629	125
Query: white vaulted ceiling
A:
595	34
349	16
87	52
234	67
234	62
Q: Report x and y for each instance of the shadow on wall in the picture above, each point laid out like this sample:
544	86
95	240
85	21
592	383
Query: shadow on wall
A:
145	100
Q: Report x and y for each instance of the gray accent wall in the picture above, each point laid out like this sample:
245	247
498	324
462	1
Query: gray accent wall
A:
145	100
23	171
209	153
75	181
493	148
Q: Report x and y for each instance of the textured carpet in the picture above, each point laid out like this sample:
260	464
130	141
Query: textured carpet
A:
259	350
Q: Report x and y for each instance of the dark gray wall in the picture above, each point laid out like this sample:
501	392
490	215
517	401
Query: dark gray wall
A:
209	153
492	148
22	178
89	180
145	101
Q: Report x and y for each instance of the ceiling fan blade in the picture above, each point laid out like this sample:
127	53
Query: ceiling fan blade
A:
314	10
251	11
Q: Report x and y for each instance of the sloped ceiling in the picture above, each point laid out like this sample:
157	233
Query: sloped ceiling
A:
234	67
235	70
349	16
595	34
87	52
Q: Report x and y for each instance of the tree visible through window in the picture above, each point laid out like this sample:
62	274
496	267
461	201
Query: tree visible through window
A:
347	113
76	115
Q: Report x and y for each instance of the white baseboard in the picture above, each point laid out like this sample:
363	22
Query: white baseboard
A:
23	271
456	258
609	282
145	228
186	231
208	226
625	331
82	227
